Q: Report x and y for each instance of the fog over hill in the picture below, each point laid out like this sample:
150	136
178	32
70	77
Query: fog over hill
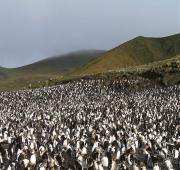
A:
138	51
32	30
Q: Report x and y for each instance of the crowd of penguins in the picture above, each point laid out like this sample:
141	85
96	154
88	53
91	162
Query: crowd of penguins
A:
88	125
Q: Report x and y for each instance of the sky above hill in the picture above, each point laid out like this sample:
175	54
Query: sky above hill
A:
31	30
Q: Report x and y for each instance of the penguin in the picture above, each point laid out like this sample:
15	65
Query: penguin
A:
156	167
168	164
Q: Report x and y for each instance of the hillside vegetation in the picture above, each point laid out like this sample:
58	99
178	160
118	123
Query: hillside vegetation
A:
165	72
156	59
138	51
44	70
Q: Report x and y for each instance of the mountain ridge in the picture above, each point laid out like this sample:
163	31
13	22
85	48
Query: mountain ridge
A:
138	51
62	63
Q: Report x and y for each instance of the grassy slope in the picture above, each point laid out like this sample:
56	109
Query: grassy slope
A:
135	52
43	71
131	58
165	72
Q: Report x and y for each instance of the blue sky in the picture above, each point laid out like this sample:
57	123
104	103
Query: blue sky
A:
31	30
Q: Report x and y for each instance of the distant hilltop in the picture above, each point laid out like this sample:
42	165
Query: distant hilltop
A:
139	51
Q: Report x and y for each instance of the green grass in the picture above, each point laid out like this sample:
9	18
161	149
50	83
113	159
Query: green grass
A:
17	82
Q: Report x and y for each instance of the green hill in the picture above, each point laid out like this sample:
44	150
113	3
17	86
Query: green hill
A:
139	51
61	64
44	70
142	56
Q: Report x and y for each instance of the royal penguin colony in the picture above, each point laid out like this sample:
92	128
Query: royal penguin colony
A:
91	125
